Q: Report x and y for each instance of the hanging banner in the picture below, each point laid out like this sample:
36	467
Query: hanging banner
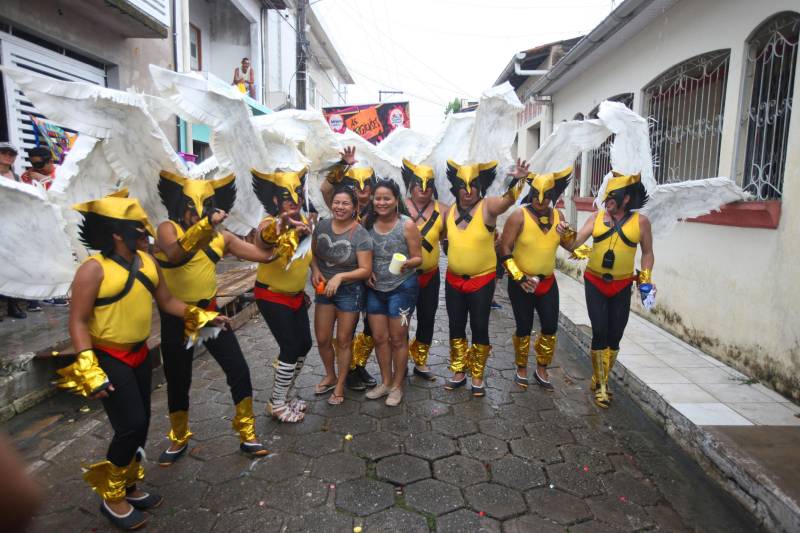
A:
371	121
53	137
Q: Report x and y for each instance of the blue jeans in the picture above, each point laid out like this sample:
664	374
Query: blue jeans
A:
348	298
396	302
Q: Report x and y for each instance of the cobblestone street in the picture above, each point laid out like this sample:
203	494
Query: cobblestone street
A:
516	460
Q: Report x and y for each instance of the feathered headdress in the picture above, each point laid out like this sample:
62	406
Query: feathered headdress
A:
179	193
270	189
550	185
618	185
478	175
420	175
116	213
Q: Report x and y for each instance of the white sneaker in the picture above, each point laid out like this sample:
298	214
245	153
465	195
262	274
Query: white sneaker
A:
395	397
378	392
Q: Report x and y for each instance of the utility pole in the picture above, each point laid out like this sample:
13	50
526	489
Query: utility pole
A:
300	91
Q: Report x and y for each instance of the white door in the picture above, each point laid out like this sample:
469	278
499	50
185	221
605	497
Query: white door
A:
17	53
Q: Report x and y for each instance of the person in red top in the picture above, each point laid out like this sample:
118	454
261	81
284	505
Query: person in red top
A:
42	169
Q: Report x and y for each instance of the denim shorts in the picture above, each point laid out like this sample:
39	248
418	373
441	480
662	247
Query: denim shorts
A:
399	301
348	298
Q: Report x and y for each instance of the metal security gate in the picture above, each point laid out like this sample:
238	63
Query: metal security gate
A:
21	54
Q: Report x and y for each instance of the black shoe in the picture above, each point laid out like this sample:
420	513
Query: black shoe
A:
353	381
134	519
452	385
479	391
148	501
546	385
57	302
424	374
253	449
14	311
34	306
366	377
519	380
168	458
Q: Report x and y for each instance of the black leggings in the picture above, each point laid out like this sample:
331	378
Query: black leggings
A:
427	303
609	316
473	305
524	303
291	329
178	363
367	329
128	407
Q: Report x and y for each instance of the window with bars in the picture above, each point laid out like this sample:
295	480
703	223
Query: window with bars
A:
599	160
771	63
684	108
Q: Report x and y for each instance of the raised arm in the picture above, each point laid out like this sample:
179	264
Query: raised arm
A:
336	174
196	237
497	205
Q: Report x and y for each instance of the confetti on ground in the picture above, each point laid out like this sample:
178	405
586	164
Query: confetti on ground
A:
357	529
552	486
585	468
84	409
348	437
482	513
622	498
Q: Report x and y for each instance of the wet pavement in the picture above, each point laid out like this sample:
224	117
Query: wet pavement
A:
516	460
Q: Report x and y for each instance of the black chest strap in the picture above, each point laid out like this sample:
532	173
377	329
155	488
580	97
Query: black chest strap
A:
134	274
617	228
210	253
426	229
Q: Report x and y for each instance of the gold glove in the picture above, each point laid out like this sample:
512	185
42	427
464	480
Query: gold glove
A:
581	252
198	236
568	237
195	318
84	376
645	276
269	233
514	188
287	243
513	270
336	173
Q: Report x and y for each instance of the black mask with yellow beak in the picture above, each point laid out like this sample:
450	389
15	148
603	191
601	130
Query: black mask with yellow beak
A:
620	185
359	178
181	193
421	176
547	186
272	189
116	213
478	176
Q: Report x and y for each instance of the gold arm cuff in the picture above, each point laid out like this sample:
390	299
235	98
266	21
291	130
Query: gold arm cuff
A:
197	237
480	353
336	174
545	347
245	421
459	355
107	480
179	427
84	376
522	347
195	318
514	189
513	270
581	252
568	237
269	233
645	276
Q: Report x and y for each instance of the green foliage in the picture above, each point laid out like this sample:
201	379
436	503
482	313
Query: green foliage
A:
453	107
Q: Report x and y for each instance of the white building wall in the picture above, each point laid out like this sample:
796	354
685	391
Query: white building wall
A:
732	291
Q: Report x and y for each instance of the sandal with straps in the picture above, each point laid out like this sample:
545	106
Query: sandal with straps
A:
298	404
285	413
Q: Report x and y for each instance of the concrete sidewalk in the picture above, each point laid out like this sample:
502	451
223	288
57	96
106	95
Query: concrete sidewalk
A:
742	432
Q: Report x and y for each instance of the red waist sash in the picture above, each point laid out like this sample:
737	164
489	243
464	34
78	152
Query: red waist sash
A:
469	284
607	288
292	301
544	286
133	357
425	278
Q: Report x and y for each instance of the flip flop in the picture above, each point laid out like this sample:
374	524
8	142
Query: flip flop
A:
320	389
334	399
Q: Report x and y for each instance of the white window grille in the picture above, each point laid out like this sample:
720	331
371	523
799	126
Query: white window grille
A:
157	9
599	159
771	64
684	107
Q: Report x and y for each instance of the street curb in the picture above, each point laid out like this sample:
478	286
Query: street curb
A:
731	470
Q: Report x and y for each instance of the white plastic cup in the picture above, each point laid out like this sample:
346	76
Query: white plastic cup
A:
395	267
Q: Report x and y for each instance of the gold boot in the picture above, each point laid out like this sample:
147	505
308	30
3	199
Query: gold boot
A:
610	360
479	355
459	362
244	422
545	348
599	378
107	480
179	428
135	472
362	347
522	347
418	352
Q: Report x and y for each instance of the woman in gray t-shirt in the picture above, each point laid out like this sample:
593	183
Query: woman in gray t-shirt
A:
391	298
342	261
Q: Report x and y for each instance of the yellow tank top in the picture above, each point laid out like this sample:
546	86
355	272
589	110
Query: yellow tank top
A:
430	251
623	254
279	279
535	250
470	250
196	279
128	320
